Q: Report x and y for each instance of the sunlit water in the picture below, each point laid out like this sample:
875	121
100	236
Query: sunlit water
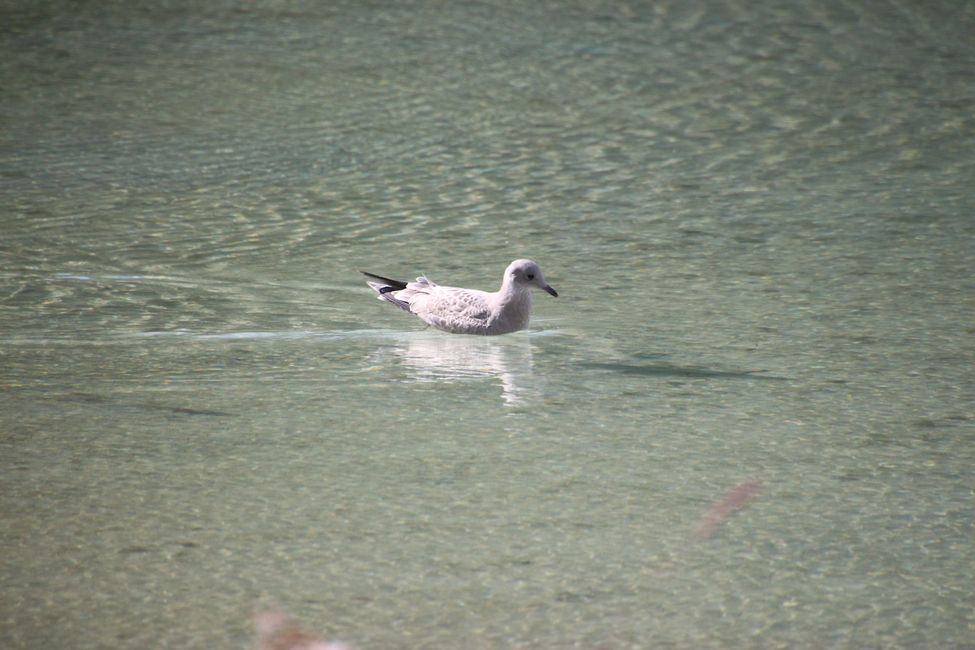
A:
760	218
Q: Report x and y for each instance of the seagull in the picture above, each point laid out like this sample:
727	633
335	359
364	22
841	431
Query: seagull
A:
468	311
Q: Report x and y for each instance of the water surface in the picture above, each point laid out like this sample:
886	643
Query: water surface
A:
759	221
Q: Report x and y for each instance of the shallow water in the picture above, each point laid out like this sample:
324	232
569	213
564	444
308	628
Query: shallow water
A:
759	219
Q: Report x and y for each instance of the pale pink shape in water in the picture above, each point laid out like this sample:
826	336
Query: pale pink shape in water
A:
277	631
734	499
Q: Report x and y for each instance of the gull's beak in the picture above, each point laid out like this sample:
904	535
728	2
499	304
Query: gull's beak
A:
551	291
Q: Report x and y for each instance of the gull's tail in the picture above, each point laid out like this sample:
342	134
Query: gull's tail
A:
386	287
388	284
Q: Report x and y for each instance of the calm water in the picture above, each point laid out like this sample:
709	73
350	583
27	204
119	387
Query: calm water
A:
760	218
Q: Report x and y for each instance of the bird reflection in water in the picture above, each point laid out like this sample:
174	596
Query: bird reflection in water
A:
437	358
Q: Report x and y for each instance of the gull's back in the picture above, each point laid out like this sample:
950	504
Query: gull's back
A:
453	309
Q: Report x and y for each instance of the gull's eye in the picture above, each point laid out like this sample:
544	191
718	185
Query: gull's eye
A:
530	276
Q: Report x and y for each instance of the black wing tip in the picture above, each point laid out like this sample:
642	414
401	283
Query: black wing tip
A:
394	285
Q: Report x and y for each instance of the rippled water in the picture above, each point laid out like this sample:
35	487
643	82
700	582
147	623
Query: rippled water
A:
759	218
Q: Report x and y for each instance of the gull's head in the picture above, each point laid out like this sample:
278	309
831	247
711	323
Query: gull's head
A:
526	273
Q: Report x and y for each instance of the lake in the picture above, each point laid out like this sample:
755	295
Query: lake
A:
747	421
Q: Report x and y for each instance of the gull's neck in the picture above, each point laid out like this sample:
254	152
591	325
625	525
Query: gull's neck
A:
512	305
513	296
510	290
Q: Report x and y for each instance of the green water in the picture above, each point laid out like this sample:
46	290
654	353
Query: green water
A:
759	219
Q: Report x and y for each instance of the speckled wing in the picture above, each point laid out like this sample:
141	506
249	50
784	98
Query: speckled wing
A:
452	309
